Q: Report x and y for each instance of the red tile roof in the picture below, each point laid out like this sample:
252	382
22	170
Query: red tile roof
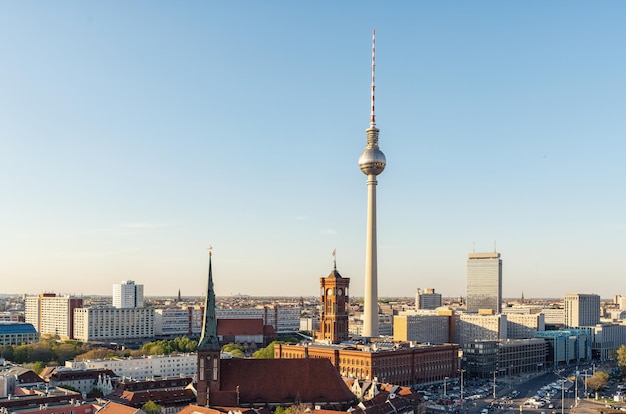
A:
259	382
240	326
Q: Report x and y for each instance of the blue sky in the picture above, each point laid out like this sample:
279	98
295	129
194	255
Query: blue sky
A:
134	135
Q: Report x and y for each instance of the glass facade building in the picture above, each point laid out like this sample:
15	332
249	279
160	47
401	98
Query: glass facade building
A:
484	282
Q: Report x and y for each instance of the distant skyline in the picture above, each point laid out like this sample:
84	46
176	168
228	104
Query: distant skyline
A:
133	136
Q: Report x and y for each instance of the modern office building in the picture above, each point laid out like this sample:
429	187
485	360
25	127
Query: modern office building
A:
427	299
522	326
471	327
127	295
51	314
372	162
484	282
581	310
17	333
113	324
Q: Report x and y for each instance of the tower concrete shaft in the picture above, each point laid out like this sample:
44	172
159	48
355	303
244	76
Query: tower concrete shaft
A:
370	305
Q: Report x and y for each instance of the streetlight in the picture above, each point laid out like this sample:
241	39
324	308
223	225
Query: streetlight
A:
562	395
585	381
494	384
462	400
445	395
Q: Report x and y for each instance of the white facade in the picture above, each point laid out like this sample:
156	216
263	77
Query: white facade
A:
473	327
283	319
554	316
142	368
522	326
127	295
581	310
105	324
172	322
51	314
607	337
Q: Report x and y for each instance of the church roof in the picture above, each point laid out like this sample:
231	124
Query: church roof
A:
281	382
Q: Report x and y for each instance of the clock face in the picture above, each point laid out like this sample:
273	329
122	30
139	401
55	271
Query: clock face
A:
339	292
329	292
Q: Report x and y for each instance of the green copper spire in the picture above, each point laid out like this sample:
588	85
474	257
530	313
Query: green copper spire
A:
209	340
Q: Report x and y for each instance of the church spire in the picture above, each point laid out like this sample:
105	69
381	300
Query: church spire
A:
209	340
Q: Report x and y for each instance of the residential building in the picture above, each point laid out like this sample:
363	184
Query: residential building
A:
79	380
484	282
51	314
127	295
581	310
140	368
108	324
172	394
172	322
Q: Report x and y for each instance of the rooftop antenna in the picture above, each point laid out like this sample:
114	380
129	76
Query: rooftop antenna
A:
372	115
335	259
494	247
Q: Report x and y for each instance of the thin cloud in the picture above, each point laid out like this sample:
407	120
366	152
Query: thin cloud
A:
328	231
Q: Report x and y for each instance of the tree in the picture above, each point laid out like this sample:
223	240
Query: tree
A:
597	381
620	356
267	352
7	352
38	366
151	407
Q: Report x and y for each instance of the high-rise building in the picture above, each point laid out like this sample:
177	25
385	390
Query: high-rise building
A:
106	324
484	282
372	162
52	314
581	310
127	295
335	307
427	299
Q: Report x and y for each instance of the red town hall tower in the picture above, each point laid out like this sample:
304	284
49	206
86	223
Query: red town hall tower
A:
335	301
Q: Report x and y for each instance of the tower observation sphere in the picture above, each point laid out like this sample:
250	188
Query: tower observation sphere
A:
372	161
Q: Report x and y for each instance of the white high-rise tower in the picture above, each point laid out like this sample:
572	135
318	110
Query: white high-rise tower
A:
372	162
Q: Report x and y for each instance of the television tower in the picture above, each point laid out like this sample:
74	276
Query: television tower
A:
372	162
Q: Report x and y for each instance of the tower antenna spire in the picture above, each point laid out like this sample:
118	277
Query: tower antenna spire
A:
372	114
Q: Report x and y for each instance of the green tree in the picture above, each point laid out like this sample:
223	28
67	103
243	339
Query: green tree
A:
279	410
38	366
597	381
267	352
620	357
20	354
151	407
7	352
